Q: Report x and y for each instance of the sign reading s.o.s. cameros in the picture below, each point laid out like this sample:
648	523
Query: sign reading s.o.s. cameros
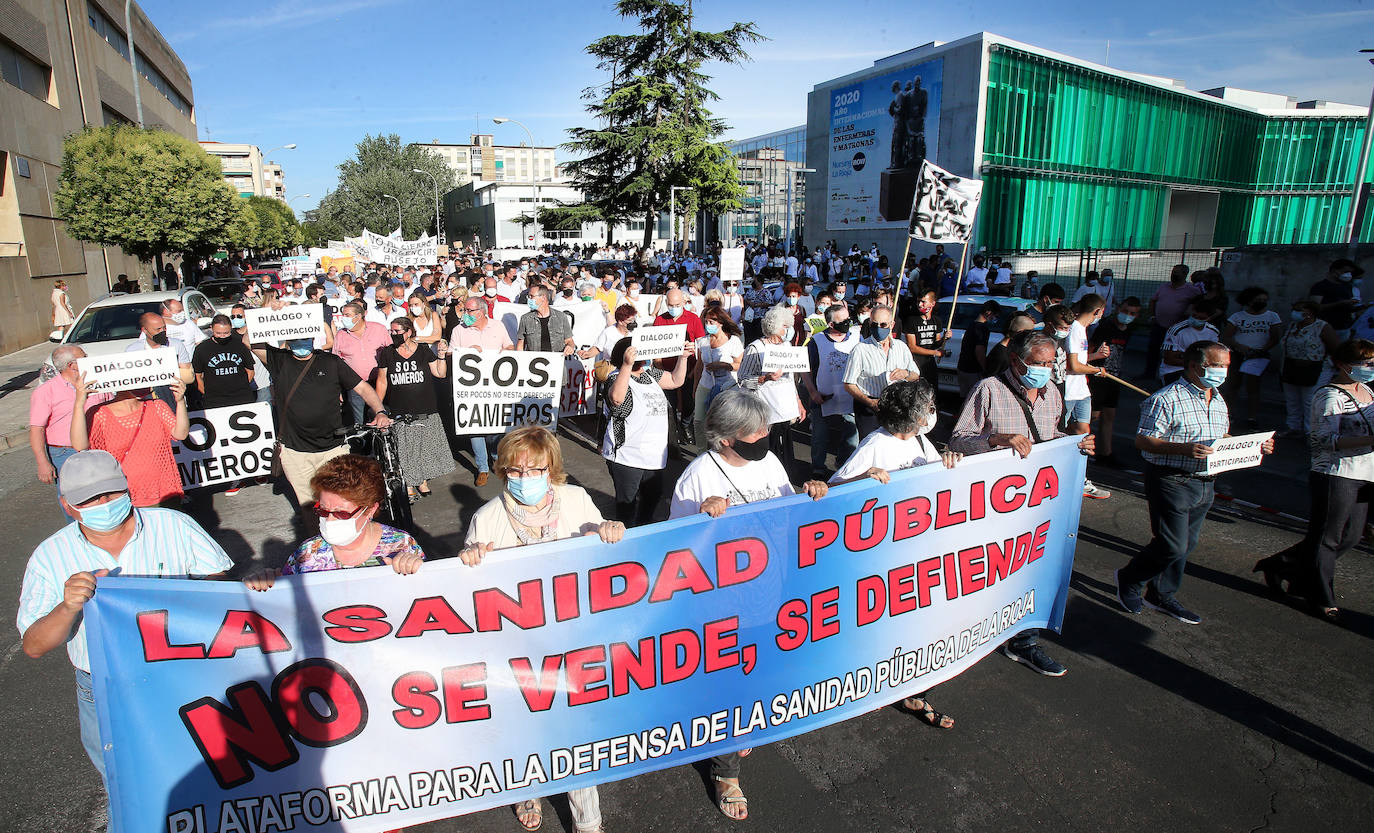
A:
226	444
495	392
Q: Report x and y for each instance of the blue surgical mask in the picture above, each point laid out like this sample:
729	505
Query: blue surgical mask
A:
237	322
1362	373
712	329
468	319
1297	315
1212	377
881	333
792	300
1035	377
108	515
533	304
674	312
302	347
1197	324
1124	319
528	490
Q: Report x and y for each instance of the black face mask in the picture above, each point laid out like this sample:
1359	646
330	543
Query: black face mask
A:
753	452
841	326
630	325
567	293
397	339
224	340
160	338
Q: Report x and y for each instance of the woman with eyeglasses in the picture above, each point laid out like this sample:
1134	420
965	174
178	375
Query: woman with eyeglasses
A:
538	505
406	384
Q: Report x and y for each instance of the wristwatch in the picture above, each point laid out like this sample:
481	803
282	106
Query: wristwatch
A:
386	413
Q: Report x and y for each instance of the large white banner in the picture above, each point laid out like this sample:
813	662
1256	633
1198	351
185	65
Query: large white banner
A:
123	371
296	321
495	392
226	444
881	129
944	206
391	251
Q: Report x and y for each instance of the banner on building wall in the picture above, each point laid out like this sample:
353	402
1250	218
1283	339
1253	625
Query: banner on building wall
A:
881	130
944	207
225	445
361	700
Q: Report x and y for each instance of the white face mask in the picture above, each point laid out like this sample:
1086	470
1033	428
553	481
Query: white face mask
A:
341	533
416	309
930	424
179	317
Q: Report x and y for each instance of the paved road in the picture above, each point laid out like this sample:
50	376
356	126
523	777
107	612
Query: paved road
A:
1259	719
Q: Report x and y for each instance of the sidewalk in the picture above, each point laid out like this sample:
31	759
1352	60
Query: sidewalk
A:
18	378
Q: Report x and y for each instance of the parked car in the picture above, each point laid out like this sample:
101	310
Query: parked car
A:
272	276
222	292
966	310
108	325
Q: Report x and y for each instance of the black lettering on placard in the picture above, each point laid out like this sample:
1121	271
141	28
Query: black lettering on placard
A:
209	434
500	368
539	372
468	366
242	421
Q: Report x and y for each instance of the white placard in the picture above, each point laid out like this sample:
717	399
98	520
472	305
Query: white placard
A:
731	265
297	321
945	205
508	313
579	387
122	371
786	359
588	321
226	444
658	342
1254	367
644	309
495	392
1241	452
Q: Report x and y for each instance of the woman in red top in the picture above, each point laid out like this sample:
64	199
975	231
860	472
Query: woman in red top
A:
138	429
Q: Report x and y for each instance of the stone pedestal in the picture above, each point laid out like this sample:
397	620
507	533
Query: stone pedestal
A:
896	190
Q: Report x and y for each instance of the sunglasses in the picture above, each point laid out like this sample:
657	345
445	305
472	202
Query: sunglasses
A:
336	514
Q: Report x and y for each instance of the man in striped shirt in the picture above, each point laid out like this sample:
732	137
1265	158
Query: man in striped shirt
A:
873	364
109	536
1178	425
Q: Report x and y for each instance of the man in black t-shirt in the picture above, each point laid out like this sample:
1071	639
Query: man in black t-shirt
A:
925	337
223	367
973	349
310	419
1336	295
1114	331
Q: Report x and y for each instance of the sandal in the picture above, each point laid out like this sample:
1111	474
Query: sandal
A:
531	809
744	753
1331	614
928	714
730	796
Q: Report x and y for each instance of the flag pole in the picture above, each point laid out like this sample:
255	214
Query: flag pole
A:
1121	381
897	299
958	281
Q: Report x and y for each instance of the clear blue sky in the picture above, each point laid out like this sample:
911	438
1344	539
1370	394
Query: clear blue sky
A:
323	74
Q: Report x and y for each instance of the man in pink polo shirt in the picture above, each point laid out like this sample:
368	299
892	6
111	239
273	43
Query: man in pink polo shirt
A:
50	413
477	331
357	343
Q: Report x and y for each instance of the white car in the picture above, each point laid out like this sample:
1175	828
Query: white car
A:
966	311
109	325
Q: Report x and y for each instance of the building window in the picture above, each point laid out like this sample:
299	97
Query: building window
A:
22	165
115	38
19	70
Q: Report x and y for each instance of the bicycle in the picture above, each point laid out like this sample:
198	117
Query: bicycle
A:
380	445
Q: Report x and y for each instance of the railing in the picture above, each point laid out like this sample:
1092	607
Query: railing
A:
1137	272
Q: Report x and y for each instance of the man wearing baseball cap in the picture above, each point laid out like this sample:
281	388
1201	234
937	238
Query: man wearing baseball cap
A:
109	536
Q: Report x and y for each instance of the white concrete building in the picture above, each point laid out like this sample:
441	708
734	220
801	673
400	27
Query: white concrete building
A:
247	171
490	212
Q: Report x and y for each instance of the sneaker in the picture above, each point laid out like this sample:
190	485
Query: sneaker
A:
1094	491
1035	656
233	490
1132	602
1171	607
482	478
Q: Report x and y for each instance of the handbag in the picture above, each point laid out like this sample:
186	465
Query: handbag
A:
1301	372
277	470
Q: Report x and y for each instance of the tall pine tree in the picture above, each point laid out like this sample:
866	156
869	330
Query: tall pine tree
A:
656	130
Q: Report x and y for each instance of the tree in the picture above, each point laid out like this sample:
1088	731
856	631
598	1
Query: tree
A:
381	165
656	130
149	192
276	222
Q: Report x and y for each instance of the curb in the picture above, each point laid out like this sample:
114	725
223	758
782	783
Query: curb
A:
16	439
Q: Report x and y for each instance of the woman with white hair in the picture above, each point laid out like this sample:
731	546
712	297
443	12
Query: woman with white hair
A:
738	469
777	388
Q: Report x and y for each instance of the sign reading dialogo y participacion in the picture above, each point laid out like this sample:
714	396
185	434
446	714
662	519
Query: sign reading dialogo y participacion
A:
298	321
731	265
135	369
782	358
1241	452
659	342
495	392
226	444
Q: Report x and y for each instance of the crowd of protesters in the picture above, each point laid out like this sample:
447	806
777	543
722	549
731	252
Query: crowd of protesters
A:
1029	369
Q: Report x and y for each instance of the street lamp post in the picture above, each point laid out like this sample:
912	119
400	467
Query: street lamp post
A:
133	58
534	178
438	229
398	212
790	206
672	215
298	197
1353	226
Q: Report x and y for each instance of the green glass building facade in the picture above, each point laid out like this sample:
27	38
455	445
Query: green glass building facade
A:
1074	158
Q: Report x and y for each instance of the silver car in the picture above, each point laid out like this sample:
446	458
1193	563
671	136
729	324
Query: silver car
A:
109	324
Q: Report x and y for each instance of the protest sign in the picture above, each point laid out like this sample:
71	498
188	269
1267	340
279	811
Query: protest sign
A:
659	342
579	387
365	700
644	308
392	251
226	444
344	263
588	320
302	266
782	358
731	265
1241	452
297	321
495	392
509	315
136	369
944	206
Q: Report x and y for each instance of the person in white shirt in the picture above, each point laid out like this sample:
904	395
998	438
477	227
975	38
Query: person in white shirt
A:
1001	283
976	280
832	408
1251	332
718	359
732	301
1178	337
180	326
384	310
776	387
1077	397
792	266
809	272
875	363
624	325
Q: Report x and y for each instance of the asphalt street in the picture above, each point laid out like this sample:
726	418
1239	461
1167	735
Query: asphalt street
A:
1258	719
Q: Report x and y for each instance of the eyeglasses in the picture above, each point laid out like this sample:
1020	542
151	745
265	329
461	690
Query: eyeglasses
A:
538	471
336	514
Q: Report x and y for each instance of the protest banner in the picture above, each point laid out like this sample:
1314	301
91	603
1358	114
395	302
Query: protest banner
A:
302	266
731	265
578	397
659	341
783	358
136	369
226	444
644	309
588	320
944	207
392	251
1241	452
296	321
364	700
344	263
495	392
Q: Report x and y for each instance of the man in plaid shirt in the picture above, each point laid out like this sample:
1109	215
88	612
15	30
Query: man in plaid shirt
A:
995	415
1178	424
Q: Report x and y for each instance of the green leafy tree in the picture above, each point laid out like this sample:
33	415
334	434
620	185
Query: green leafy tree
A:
277	226
149	192
656	130
382	165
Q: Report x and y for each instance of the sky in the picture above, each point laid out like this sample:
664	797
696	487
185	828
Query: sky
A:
322	75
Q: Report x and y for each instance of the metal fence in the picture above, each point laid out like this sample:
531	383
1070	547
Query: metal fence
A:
1136	272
